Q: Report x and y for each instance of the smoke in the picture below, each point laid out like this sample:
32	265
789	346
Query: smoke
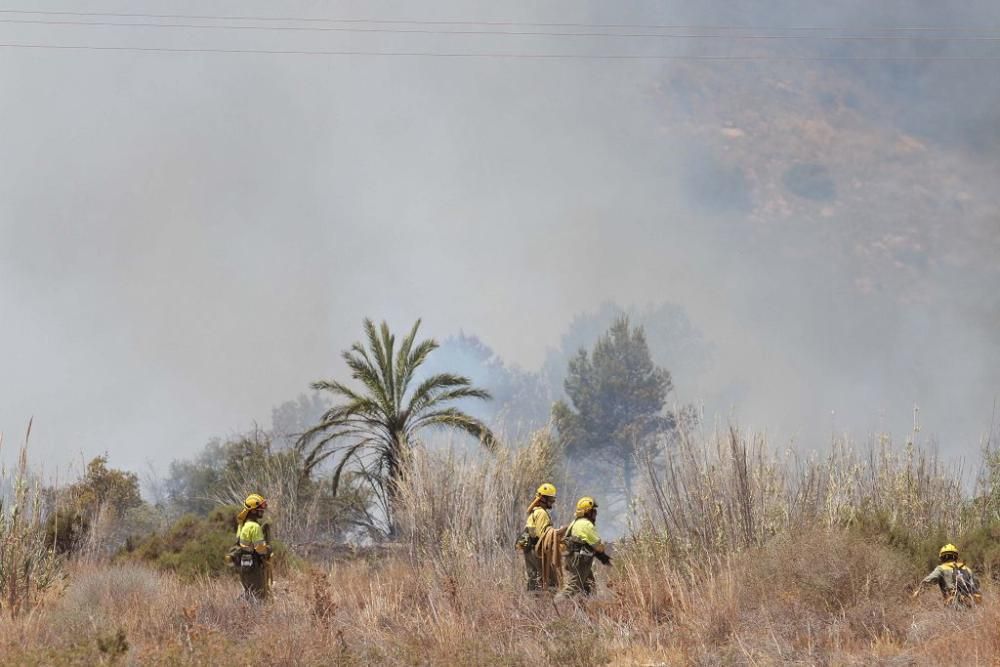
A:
187	240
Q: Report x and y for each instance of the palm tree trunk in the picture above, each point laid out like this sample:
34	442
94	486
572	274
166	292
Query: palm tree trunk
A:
395	462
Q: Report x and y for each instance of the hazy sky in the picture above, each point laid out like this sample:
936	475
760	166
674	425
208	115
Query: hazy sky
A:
188	239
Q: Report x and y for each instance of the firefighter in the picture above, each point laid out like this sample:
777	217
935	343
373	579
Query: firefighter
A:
958	586
583	545
253	556
539	520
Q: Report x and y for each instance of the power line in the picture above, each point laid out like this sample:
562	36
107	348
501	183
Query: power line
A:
497	55
513	24
543	33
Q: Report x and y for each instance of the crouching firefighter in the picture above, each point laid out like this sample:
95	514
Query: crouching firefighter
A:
583	545
959	587
252	553
537	575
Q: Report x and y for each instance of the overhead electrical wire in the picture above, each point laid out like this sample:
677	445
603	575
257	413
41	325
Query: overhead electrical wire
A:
649	26
365	26
497	55
518	33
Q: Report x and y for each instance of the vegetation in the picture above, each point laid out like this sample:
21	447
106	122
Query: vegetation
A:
674	342
618	395
306	506
28	567
101	486
190	547
811	562
102	498
376	427
736	553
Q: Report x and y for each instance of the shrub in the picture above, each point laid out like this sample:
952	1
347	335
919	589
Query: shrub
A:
27	565
97	514
307	507
194	546
191	547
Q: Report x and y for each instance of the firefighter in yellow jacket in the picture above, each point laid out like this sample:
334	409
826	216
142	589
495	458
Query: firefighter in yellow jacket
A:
958	586
253	557
583	546
539	520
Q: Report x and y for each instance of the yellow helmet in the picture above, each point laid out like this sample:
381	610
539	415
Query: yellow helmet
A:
948	549
547	490
585	504
255	501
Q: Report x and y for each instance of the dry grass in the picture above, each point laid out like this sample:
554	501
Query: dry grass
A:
733	492
472	506
791	579
27	567
824	598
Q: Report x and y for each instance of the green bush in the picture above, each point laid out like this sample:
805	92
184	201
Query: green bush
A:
918	546
194	546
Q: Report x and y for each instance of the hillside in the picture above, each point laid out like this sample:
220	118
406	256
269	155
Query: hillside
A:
817	169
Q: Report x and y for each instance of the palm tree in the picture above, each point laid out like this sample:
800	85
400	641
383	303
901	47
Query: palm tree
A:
376	426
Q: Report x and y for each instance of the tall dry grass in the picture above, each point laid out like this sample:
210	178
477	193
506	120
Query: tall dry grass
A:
753	558
734	492
472	506
27	566
821	598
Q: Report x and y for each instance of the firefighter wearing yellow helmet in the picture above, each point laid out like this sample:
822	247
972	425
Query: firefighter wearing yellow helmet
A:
958	585
583	545
539	520
252	558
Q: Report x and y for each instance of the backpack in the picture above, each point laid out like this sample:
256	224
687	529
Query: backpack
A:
966	585
574	545
965	592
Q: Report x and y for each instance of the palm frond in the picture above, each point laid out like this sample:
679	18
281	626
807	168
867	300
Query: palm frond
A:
361	369
336	388
370	352
351	451
378	352
455	395
420	353
425	390
388	375
455	418
404	366
342	413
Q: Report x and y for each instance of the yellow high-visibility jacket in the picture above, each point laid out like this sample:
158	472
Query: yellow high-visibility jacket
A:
251	537
945	576
538	521
585	531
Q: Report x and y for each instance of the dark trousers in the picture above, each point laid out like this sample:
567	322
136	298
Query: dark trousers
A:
579	574
533	572
256	581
